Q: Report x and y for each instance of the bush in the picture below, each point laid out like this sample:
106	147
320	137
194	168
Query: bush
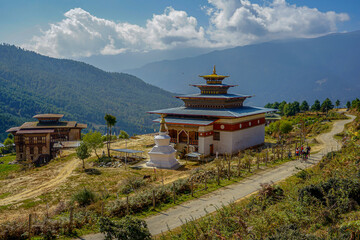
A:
127	228
131	184
291	232
84	197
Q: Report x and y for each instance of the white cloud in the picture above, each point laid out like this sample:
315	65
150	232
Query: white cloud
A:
81	34
231	23
240	22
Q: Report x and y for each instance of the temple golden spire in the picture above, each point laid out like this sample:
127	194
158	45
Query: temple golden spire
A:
162	124
213	76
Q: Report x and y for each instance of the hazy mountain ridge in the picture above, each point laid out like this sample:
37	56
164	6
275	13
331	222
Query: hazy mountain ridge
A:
31	83
297	69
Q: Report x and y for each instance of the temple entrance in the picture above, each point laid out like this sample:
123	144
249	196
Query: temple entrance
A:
183	137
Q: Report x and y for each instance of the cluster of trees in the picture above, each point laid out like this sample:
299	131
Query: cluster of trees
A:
8	144
354	104
94	140
290	109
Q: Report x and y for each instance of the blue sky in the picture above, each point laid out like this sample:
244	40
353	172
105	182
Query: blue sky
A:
189	23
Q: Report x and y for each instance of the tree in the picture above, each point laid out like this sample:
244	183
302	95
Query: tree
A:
275	105
94	141
289	110
348	104
285	127
127	227
82	152
268	105
8	143
10	136
326	105
316	106
337	103
296	106
123	135
281	107
304	106
110	122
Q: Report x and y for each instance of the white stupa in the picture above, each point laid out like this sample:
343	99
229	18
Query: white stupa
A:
163	155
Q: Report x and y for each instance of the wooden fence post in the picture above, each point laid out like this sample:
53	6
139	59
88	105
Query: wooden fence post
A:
30	226
218	175
127	205
154	199
71	219
229	166
267	156
258	160
192	188
174	192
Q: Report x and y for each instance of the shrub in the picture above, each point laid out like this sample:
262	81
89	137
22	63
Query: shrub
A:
84	197
127	228
131	184
290	232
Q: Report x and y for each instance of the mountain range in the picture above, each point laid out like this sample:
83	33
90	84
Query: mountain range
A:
31	84
296	69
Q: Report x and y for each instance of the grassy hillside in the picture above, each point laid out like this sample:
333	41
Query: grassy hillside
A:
31	83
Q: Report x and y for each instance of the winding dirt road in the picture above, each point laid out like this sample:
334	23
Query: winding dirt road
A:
47	186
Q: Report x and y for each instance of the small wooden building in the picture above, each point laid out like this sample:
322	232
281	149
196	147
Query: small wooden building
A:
35	140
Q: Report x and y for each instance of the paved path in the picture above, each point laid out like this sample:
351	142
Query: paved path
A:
199	207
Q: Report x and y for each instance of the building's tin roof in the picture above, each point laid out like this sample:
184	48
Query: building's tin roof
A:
214	96
226	112
126	150
186	121
30	131
48	115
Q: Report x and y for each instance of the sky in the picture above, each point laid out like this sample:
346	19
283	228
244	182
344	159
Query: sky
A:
84	28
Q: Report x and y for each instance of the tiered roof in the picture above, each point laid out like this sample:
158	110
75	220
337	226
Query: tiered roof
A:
213	102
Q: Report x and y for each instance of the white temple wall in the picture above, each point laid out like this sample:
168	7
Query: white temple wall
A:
249	137
224	145
204	144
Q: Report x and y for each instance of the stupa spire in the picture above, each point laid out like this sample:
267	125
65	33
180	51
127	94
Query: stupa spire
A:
214	70
162	125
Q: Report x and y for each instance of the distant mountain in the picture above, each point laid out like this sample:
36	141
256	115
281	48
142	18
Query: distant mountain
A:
299	69
31	83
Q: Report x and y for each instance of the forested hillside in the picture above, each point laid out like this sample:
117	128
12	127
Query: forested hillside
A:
31	83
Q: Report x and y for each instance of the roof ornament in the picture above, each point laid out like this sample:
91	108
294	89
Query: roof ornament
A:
162	124
214	70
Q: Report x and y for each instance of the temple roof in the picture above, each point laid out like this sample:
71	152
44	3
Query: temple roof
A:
186	121
48	115
227	112
214	75
214	96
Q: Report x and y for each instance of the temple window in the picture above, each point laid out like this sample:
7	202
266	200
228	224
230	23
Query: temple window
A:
31	150
216	136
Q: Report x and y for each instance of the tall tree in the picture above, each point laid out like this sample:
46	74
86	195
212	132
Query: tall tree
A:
304	106
123	135
110	122
289	110
296	106
348	104
326	105
82	152
337	103
281	107
316	106
93	141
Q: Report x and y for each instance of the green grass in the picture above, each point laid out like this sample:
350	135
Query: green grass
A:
6	169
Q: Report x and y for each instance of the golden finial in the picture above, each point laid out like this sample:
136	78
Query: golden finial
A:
214	70
162	124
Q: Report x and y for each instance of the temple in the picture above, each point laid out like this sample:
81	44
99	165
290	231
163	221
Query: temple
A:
42	140
214	120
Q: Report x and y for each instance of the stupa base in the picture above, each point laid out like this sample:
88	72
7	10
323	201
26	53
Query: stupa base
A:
164	165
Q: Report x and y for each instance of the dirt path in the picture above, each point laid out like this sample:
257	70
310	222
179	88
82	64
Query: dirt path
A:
50	185
194	209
